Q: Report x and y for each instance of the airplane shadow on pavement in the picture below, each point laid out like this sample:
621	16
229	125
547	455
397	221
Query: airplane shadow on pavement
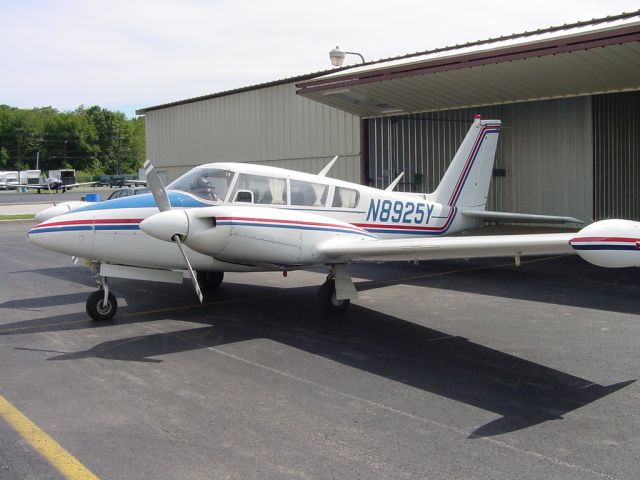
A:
523	393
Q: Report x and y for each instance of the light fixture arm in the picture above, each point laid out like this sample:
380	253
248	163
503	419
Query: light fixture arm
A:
356	53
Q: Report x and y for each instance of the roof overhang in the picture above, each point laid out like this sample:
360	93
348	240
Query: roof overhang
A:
591	62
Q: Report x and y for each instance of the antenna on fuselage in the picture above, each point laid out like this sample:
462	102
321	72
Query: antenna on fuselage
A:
325	170
393	184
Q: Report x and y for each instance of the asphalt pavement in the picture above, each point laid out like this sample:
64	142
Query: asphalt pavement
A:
15	203
456	369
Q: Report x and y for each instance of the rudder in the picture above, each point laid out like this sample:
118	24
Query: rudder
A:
466	181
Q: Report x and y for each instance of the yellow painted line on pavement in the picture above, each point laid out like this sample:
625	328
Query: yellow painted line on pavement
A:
69	466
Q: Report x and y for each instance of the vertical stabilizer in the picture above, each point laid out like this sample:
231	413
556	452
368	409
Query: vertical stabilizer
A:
466	181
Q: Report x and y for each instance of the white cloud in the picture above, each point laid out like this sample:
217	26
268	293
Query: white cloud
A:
140	53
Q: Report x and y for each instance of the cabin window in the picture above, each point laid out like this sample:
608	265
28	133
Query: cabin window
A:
266	190
206	183
345	198
308	194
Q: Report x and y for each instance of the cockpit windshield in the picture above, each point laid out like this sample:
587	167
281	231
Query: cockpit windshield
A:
206	183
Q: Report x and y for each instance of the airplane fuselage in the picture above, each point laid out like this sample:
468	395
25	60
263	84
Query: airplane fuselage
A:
109	231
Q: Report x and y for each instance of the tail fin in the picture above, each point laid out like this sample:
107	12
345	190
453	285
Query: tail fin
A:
466	181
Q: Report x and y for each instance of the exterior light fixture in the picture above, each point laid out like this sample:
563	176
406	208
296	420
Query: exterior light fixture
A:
337	56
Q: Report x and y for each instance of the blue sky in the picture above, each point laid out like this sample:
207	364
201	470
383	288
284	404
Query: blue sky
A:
126	55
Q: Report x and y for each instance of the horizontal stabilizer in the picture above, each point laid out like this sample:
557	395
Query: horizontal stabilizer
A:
516	217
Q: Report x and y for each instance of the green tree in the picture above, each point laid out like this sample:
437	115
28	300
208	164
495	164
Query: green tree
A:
90	139
4	158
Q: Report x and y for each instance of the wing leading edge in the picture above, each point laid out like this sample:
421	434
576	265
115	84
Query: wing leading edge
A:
447	248
517	217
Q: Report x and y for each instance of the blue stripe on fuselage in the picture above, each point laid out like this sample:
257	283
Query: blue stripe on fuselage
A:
68	228
177	199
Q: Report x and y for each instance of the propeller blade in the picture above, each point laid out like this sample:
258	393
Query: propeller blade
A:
162	201
46	180
157	188
194	279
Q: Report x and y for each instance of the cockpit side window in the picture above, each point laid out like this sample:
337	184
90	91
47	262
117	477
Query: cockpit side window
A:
266	190
206	183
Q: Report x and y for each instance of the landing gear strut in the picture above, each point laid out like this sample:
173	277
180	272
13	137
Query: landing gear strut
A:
327	297
102	304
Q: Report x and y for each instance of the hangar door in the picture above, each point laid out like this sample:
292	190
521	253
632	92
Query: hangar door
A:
616	126
544	159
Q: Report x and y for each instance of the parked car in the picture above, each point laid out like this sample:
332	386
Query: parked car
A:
127	192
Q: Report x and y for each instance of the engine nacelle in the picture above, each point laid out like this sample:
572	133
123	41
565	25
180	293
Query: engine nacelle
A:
264	235
609	243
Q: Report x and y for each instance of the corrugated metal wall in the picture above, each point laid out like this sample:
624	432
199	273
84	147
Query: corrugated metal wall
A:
616	120
544	147
559	155
271	126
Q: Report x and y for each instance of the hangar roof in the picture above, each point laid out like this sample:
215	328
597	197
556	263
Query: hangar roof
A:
234	91
591	57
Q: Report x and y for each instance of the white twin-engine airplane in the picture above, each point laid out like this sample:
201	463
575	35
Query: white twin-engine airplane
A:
239	217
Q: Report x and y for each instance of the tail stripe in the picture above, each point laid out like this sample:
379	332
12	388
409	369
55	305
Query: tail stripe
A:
486	129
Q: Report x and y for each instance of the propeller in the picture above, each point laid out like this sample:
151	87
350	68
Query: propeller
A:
46	180
162	201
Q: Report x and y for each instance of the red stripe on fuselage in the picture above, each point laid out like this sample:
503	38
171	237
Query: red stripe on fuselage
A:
394	227
292	222
90	221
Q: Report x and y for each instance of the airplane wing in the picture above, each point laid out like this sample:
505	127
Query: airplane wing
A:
517	217
81	184
440	248
34	186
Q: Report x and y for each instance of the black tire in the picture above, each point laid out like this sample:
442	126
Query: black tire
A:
209	280
327	298
97	310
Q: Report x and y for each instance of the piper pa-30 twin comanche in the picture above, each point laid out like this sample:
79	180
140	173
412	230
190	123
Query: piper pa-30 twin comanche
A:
239	217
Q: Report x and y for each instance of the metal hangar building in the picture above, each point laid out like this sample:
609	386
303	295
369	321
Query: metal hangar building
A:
568	97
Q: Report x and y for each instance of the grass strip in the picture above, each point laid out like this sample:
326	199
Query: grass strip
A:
21	216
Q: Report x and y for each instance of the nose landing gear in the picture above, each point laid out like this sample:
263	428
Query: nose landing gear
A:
102	304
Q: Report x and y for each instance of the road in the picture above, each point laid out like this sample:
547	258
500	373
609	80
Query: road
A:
11	197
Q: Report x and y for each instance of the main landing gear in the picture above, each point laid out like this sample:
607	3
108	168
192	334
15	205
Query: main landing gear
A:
327	297
102	305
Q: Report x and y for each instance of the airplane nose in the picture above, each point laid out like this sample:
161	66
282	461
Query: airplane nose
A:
165	225
37	236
